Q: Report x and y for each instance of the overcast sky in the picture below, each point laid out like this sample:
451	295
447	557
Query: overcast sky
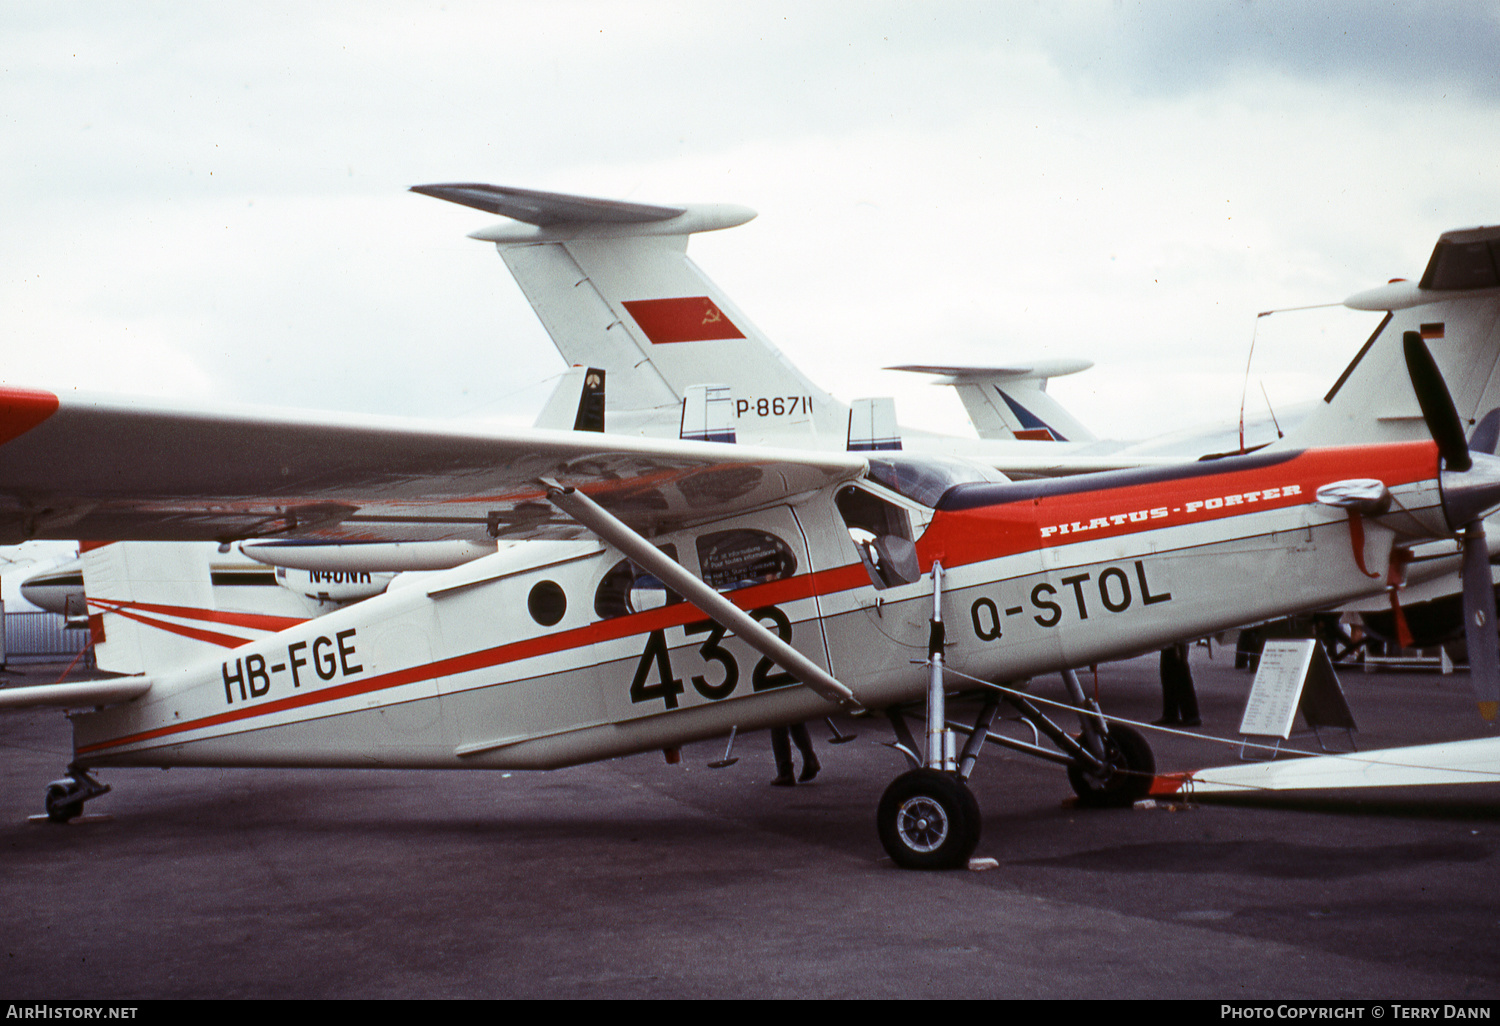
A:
209	199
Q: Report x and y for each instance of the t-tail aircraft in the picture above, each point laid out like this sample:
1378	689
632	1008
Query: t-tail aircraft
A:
613	286
675	591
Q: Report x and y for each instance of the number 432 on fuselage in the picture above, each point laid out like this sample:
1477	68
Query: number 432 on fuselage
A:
672	591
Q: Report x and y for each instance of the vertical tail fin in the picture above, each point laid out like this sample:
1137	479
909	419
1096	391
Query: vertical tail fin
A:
612	284
872	425
708	414
1456	310
153	605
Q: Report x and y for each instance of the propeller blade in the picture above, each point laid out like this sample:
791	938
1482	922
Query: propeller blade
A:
1437	403
1479	621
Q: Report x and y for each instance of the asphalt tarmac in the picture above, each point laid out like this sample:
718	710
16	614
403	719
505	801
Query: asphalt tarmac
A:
639	879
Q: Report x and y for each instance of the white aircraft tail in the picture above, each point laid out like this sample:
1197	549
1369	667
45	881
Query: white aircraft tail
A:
1012	402
612	284
1456	309
157	606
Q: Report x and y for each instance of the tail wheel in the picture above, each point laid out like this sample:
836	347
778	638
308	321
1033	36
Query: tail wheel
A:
63	802
1126	778
928	820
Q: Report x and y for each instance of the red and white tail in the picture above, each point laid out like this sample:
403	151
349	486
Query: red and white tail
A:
156	606
613	285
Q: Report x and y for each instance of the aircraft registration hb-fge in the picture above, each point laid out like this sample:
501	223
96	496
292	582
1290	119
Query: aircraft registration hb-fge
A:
679	590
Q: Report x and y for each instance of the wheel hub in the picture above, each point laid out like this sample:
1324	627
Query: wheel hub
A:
922	824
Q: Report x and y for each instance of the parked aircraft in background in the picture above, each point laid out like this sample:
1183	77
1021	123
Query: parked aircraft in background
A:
612	284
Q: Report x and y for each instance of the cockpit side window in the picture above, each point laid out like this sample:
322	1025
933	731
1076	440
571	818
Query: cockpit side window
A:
626	589
881	532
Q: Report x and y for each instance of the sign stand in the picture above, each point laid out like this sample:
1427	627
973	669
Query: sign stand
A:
1294	676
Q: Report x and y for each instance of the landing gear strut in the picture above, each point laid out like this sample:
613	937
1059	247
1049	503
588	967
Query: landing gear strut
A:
64	799
928	818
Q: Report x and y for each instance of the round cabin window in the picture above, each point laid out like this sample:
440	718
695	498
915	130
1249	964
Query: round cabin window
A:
547	603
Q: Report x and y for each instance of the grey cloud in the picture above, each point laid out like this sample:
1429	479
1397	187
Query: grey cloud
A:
1177	46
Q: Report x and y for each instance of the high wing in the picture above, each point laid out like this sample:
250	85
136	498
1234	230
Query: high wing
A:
80	466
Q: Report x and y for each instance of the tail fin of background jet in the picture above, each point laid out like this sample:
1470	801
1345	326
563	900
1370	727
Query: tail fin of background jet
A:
1456	309
1012	402
612	284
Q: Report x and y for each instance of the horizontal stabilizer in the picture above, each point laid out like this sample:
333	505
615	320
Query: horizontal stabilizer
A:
1466	259
79	695
1039	369
545	209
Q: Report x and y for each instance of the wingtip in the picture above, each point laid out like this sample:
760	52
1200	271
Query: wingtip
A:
22	409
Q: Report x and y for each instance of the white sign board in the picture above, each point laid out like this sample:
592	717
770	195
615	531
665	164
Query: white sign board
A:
1272	706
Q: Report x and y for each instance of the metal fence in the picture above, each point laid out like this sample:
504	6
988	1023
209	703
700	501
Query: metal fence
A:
41	638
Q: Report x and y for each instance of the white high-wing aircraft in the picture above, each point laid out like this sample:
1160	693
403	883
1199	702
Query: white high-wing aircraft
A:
692	588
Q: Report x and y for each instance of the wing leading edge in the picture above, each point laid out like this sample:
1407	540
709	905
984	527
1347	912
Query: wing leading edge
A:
107	468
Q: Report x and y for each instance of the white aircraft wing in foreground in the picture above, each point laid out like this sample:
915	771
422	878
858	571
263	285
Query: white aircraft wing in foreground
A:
100	467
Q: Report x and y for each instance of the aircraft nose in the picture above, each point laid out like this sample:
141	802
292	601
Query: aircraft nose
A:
1470	494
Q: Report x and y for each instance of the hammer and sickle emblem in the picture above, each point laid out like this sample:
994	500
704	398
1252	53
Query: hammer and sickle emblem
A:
711	314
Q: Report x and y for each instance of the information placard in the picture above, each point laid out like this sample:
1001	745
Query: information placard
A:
1294	676
1272	706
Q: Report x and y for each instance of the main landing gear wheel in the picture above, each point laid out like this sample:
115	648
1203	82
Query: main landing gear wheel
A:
1126	778
928	820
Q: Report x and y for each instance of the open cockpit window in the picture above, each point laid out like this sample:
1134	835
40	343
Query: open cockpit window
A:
881	532
627	589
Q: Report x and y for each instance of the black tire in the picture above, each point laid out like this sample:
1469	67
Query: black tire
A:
928	820
60	809
1128	774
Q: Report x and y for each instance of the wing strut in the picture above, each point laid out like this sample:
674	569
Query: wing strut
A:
671	573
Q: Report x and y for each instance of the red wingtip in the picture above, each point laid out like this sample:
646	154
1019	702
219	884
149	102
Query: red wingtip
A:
1168	783
22	409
